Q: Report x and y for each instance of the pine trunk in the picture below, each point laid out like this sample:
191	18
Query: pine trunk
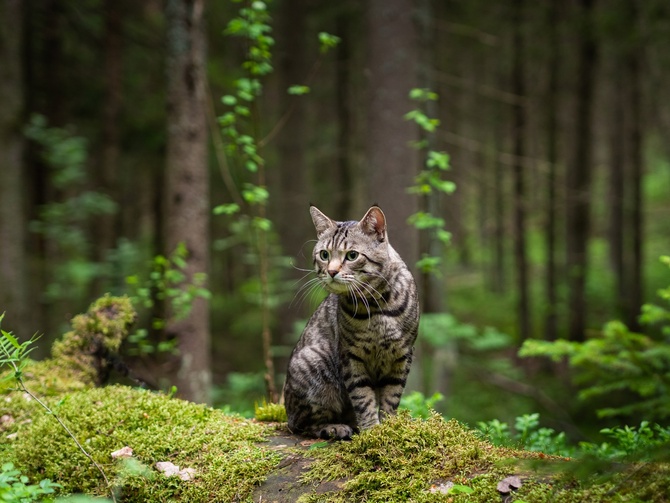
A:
187	185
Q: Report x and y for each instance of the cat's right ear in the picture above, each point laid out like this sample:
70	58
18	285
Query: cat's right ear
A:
321	222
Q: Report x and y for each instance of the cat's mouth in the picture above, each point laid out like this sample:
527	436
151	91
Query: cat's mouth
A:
335	284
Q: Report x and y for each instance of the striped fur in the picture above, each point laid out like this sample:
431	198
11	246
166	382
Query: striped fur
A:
350	366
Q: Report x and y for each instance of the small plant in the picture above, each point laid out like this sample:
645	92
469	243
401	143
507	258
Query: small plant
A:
428	184
527	434
620	361
15	488
419	405
15	355
166	283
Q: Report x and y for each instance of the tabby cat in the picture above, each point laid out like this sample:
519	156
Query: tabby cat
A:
349	368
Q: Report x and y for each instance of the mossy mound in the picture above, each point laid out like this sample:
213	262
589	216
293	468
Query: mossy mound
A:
434	460
222	451
81	358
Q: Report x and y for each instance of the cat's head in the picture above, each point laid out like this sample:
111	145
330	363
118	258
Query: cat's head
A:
349	257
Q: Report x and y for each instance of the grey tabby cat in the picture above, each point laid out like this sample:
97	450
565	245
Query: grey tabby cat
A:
349	368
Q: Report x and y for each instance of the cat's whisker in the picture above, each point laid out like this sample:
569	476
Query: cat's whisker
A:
372	291
309	288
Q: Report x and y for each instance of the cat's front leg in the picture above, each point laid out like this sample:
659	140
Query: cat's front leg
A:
362	394
392	385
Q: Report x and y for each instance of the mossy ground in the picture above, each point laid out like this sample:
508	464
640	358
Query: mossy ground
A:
225	451
404	458
399	460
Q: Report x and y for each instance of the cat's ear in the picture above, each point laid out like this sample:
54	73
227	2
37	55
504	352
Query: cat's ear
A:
321	222
374	223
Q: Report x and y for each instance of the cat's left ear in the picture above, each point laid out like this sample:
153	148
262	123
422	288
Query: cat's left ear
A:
321	222
374	223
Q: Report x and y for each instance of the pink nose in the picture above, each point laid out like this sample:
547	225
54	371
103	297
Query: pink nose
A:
332	272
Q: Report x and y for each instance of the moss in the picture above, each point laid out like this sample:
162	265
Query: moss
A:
402	459
223	450
80	358
270	412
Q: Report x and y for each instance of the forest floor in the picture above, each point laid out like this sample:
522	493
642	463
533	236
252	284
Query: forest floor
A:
156	448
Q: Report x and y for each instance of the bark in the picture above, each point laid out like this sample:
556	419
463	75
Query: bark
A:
108	226
617	187
636	168
392	163
187	185
551	315
12	219
578	217
518	131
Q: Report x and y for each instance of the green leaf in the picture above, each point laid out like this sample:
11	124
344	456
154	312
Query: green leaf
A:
319	445
226	209
328	41
298	90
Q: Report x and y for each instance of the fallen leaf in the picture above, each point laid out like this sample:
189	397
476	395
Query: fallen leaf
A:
509	484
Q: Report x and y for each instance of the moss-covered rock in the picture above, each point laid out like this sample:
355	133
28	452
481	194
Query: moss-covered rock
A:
81	358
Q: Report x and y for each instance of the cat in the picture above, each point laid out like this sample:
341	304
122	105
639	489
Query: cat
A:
350	365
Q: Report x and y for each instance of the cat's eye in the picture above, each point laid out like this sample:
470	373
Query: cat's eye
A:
352	255
324	255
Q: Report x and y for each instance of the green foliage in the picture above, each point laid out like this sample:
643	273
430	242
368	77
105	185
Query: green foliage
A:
527	434
65	224
419	405
14	354
620	361
648	442
328	41
428	183
167	282
15	488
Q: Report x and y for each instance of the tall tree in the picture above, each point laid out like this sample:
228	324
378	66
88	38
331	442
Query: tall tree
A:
12	253
635	221
392	162
518	134
578	194
187	185
551	138
108	225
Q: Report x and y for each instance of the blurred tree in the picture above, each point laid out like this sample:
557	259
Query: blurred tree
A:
107	227
391	162
579	173
552	97
12	220
520	199
187	185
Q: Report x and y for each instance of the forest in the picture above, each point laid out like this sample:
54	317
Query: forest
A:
168	150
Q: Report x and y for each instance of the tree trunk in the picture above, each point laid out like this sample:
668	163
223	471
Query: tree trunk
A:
579	176
187	185
108	225
518	131
636	169
551	315
12	220
617	187
392	163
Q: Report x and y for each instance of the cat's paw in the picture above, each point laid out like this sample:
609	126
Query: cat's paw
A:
336	432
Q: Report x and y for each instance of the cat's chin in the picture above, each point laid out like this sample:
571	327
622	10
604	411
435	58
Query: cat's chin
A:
336	287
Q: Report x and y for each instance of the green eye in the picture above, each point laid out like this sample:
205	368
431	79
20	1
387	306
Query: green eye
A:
352	255
324	255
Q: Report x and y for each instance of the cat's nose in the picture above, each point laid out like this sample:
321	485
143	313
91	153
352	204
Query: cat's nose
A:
333	272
